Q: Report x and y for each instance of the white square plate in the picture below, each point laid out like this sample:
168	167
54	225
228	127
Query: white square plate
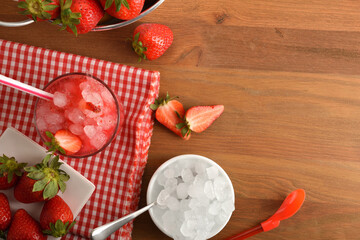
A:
78	189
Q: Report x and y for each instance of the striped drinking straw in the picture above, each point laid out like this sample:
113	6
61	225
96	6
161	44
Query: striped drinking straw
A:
25	88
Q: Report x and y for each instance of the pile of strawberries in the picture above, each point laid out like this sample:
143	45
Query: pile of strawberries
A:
150	40
170	112
79	16
37	183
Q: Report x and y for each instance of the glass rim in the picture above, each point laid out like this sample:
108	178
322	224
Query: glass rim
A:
117	110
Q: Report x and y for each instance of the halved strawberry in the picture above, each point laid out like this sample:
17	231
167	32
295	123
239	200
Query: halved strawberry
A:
68	141
83	105
90	106
199	118
169	112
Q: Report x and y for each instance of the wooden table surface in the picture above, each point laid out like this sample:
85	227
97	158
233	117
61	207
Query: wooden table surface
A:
288	73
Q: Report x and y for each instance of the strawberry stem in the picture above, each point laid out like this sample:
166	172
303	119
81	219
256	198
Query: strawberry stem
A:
53	144
37	8
163	101
48	175
59	229
138	47
2	234
10	166
68	18
118	4
185	129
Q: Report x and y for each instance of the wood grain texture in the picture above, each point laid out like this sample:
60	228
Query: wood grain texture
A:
288	73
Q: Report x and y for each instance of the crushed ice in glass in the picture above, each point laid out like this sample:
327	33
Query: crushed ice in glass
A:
76	129
75	115
98	140
90	131
195	199
92	97
60	99
82	106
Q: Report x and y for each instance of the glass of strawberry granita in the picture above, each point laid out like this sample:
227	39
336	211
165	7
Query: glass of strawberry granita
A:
83	117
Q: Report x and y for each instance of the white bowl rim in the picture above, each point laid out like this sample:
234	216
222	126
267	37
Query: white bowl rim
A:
152	183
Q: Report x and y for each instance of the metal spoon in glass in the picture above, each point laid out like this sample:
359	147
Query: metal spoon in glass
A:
102	232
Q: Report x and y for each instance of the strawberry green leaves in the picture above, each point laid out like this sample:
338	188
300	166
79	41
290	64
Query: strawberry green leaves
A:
39	9
59	229
68	18
48	175
118	4
2	234
183	126
138	47
10	167
162	101
169	112
53	144
185	130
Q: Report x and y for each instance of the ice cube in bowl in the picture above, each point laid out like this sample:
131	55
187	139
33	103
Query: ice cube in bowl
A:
195	213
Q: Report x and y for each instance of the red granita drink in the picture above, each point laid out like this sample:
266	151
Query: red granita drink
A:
84	115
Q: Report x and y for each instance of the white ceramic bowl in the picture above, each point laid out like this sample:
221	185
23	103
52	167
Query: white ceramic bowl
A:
154	188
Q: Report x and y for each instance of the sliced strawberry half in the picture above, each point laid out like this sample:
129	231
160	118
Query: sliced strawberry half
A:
68	141
169	112
90	106
199	118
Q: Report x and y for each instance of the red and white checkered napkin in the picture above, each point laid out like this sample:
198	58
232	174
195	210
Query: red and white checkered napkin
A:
116	171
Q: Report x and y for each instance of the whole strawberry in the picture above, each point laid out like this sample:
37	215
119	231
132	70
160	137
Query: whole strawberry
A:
169	112
199	118
151	40
80	16
5	214
42	181
123	9
40	10
56	217
10	171
24	227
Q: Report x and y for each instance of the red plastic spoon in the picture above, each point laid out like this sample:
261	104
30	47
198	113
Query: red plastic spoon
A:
289	207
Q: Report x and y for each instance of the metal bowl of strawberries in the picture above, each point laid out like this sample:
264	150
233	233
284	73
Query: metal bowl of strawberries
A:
82	16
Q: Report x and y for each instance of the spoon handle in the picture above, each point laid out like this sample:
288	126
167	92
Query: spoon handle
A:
16	24
102	232
248	233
